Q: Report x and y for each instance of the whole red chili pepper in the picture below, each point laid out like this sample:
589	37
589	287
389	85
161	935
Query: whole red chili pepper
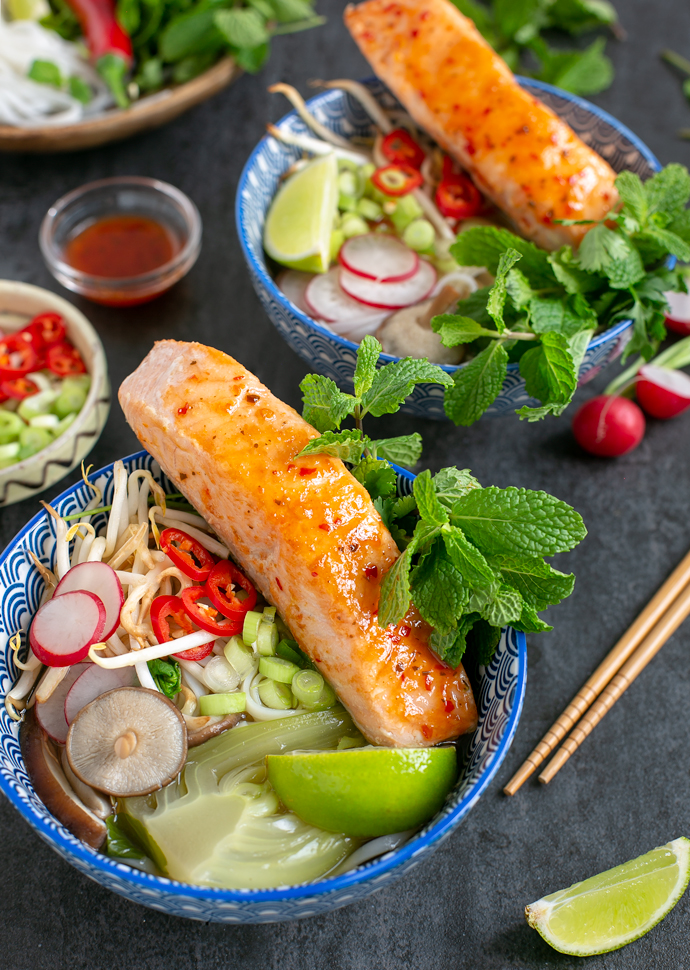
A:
109	45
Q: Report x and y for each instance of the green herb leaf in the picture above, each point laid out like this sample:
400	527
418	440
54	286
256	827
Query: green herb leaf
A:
539	584
454	330
430	509
346	445
45	72
243	27
466	558
253	59
79	89
519	290
451	646
570	275
577	16
668	191
452	483
477	384
611	252
394	382
582	72
167	675
517	520
405	450
484	246
549	370
118	845
504	607
368	354
529	622
395	596
437	589
190	33
498	292
379	479
483	640
325	405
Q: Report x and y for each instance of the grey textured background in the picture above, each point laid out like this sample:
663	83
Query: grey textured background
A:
627	790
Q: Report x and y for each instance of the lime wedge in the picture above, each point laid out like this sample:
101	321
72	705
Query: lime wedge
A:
300	221
364	792
28	9
617	906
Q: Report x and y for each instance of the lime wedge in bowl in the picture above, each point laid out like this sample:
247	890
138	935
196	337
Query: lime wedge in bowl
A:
364	792
616	907
300	221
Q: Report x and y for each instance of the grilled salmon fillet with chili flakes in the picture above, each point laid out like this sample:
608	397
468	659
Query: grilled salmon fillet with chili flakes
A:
304	530
519	153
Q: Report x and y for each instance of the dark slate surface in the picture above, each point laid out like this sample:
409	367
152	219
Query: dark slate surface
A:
626	791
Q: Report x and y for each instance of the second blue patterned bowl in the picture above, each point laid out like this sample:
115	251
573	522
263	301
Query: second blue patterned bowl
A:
335	356
499	701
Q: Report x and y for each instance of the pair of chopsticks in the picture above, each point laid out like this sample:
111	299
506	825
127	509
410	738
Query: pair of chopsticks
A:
639	644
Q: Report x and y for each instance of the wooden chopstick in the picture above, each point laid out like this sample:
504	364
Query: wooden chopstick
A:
606	670
649	647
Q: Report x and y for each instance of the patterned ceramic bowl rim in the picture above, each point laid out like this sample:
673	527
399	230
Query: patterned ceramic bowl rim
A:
366	873
86	340
259	266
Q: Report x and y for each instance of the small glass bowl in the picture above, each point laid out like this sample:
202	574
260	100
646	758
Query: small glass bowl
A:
130	195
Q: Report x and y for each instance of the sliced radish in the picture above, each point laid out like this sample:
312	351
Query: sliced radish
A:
93	682
663	393
358	333
65	627
678	317
383	258
51	713
390	296
293	283
328	302
100	579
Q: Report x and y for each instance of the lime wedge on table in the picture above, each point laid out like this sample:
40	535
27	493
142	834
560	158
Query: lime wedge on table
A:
364	792
617	906
299	223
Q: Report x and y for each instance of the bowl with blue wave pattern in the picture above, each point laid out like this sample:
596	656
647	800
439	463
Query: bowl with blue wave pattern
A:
19	302
335	356
499	691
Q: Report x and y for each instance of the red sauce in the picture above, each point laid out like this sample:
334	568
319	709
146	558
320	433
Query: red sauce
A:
121	246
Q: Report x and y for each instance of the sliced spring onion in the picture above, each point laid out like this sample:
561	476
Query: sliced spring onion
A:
269	614
71	398
214	704
64	424
419	235
219	676
10	450
307	686
324	701
48	421
10	426
36	404
239	656
274	695
33	440
288	650
251	626
282	671
368	209
267	639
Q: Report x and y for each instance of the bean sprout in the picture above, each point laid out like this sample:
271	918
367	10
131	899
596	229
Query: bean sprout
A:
97	549
315	145
361	94
297	102
119	499
50	680
62	563
156	652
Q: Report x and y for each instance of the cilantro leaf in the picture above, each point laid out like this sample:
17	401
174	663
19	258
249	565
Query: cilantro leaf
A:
405	450
395	596
394	382
466	558
430	508
484	246
498	292
452	483
325	405
667	241
477	384
379	479
368	353
167	675
404	506
570	275
347	445
549	370
454	329
634	199
437	589
517	520
539	584
612	253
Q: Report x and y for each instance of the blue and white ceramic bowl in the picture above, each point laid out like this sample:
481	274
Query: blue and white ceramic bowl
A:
335	356
499	701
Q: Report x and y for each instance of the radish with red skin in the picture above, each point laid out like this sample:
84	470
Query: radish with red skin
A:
100	579
293	283
382	258
678	316
327	301
51	713
65	627
662	393
390	296
92	682
609	426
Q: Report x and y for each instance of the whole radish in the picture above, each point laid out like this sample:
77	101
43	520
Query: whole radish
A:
663	393
609	426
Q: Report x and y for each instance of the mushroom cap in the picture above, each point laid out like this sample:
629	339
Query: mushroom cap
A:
211	728
128	741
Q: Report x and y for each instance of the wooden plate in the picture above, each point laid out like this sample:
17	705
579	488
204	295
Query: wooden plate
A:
150	112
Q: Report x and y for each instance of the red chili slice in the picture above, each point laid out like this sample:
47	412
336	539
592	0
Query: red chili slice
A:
65	360
165	608
19	388
219	588
12	346
396	180
458	198
187	554
400	148
208	617
46	329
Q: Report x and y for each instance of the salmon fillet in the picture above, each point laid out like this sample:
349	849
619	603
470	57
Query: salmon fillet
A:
519	153
304	530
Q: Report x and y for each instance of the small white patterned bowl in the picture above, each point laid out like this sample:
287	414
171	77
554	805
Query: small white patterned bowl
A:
499	701
335	356
46	467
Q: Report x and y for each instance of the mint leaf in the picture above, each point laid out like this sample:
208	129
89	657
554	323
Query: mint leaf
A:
611	253
395	596
451	646
476	12
377	476
576	16
242	27
287	11
570	275
325	405
405	450
454	330
539	584
437	589
466	558
498	292
368	353
394	382
430	508
452	483
504	607
529	622
634	199
668	191
667	242
517	520
582	72
484	245
537	414
549	370
346	445
546	314
477	384
474	307
483	640
519	290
